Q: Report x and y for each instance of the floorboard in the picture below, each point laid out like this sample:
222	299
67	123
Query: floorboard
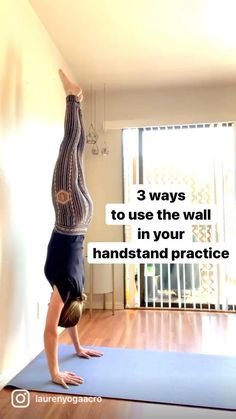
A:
209	333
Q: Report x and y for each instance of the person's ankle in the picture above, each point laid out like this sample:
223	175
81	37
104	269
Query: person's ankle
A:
78	96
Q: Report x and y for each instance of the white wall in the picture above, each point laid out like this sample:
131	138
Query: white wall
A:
104	181
31	114
171	105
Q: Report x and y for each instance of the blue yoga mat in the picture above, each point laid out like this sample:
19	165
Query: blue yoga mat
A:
142	375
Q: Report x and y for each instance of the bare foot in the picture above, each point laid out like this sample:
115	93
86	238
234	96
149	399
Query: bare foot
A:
69	87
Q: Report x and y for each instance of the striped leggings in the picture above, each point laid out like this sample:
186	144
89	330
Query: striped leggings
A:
70	197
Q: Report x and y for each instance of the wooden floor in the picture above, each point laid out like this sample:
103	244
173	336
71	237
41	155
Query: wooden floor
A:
163	330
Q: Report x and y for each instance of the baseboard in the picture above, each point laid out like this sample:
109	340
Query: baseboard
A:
2	380
99	306
6	377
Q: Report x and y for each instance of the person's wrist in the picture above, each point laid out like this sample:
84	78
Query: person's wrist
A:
79	349
54	373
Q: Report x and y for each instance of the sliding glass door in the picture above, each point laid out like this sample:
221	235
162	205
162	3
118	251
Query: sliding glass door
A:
202	157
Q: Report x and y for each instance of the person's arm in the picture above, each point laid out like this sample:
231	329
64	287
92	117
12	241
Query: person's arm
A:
74	335
80	351
51	343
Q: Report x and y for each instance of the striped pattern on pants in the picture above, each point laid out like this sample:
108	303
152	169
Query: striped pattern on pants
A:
71	200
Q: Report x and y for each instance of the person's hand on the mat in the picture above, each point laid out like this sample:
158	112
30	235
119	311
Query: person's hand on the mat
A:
67	377
87	353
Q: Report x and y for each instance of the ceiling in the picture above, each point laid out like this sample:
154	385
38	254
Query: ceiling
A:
133	44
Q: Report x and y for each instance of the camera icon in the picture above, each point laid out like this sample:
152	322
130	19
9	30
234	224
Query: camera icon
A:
20	398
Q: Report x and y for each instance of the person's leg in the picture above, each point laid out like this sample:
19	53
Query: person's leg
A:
64	186
81	178
72	203
71	88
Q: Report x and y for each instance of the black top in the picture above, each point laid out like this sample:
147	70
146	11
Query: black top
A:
64	264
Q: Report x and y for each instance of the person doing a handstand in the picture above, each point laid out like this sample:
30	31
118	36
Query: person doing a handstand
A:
64	266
